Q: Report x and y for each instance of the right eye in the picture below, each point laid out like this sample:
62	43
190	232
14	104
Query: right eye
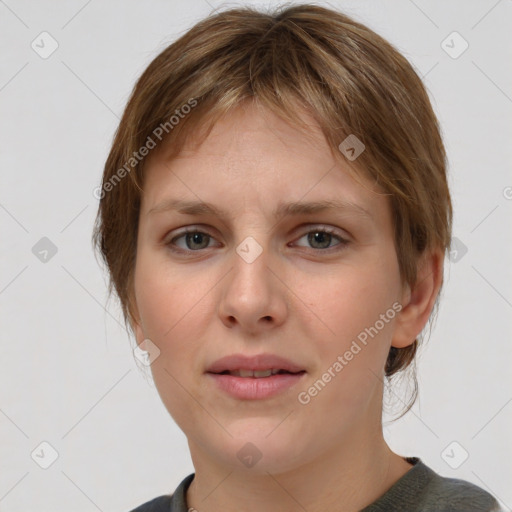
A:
194	241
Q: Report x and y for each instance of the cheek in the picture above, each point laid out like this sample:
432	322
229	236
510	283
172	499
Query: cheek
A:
346	302
174	305
356	313
172	311
166	296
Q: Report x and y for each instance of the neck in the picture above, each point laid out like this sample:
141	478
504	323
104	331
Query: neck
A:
346	479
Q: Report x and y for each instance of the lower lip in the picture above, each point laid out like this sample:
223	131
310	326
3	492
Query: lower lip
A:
249	388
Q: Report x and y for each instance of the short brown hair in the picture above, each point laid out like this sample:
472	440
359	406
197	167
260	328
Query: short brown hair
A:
351	80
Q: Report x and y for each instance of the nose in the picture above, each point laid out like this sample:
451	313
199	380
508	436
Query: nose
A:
253	295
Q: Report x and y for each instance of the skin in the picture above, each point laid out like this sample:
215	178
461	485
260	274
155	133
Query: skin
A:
299	299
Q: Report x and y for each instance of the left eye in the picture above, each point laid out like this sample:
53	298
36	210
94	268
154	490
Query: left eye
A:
322	238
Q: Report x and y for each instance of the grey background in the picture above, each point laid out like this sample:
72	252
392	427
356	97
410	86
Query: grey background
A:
67	372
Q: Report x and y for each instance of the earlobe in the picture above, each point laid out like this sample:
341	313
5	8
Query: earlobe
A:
419	300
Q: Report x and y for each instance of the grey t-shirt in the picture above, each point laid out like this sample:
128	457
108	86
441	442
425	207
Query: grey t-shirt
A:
420	490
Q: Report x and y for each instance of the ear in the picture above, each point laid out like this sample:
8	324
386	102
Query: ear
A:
418	301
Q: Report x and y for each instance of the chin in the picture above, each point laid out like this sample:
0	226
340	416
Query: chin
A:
261	449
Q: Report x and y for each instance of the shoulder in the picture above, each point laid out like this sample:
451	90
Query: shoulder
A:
175	502
457	495
423	490
160	504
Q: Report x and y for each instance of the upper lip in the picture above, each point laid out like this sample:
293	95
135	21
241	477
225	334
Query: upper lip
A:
254	363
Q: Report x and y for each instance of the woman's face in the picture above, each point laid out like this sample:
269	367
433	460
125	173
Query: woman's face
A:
251	282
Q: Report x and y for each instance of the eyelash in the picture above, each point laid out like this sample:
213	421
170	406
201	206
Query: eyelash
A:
342	241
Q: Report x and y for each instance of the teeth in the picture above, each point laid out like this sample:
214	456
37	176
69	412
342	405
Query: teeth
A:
263	373
254	373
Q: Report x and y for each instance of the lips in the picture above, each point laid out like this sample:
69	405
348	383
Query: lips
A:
259	366
255	374
259	377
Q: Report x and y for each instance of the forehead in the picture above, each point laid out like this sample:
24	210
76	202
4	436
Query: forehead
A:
253	157
239	131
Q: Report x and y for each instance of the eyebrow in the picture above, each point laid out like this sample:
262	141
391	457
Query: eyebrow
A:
289	209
